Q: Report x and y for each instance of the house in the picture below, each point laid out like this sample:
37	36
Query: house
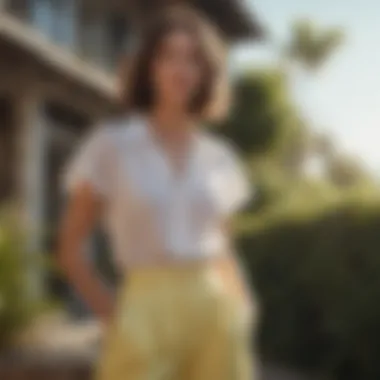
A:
58	59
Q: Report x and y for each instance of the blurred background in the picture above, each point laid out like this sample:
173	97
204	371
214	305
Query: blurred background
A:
305	117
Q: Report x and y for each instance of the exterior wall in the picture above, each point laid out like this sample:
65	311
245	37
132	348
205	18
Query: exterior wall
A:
94	31
41	141
50	109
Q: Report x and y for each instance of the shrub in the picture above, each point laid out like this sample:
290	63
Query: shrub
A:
17	303
318	280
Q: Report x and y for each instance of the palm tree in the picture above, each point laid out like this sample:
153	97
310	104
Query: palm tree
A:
310	45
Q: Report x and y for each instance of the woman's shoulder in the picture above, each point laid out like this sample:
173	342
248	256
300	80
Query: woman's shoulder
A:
117	132
219	147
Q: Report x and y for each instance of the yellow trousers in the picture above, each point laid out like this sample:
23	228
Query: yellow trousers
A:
178	324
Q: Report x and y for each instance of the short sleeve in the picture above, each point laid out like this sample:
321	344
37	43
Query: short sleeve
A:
235	189
90	164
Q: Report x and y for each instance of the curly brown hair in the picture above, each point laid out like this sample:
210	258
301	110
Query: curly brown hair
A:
210	101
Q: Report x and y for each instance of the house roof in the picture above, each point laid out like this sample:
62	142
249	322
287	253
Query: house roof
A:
234	18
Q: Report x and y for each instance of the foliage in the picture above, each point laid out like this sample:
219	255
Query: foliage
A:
17	304
262	115
319	285
310	246
345	171
310	45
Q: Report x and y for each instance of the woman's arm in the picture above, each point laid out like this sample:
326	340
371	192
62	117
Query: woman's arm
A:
233	277
231	270
80	216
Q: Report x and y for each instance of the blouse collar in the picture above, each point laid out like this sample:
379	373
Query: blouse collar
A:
141	126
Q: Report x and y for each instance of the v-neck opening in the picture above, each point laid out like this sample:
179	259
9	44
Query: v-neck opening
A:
177	175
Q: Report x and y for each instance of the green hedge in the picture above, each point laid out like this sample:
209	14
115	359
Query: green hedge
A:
318	280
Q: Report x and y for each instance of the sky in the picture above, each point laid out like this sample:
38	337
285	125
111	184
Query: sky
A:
343	99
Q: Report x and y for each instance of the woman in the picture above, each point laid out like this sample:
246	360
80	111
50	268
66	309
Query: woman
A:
165	191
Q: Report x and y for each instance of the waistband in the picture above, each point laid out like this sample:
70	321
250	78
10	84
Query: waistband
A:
174	269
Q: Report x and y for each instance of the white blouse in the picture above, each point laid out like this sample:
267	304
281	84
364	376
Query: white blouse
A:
151	213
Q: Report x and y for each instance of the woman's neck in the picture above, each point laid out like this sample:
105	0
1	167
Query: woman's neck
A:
171	124
174	132
172	119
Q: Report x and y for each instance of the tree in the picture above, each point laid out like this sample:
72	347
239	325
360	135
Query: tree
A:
310	45
262	114
265	126
346	171
311	249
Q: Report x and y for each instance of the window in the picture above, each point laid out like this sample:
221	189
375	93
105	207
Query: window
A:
117	34
66	23
18	8
57	19
93	37
42	15
103	37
